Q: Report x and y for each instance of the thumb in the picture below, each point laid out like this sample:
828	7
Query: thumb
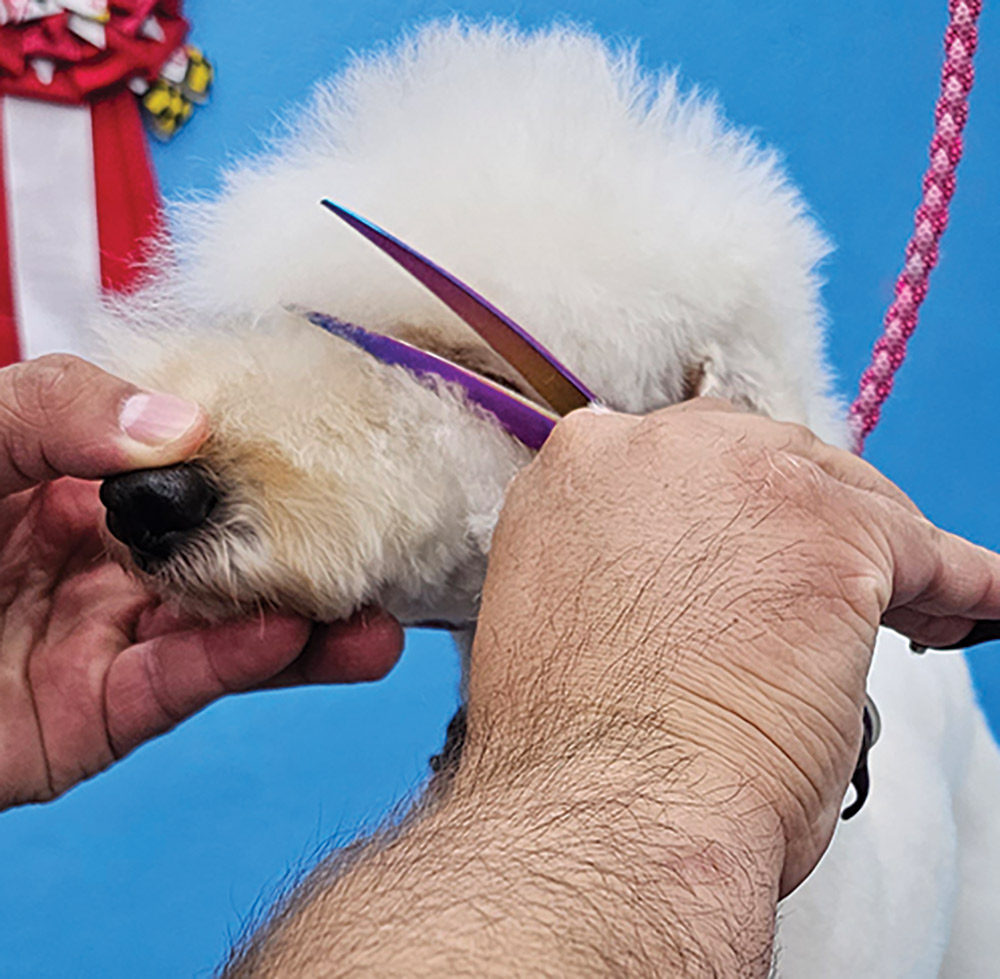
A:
61	416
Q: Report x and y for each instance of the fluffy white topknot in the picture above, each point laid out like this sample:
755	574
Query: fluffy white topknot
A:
623	221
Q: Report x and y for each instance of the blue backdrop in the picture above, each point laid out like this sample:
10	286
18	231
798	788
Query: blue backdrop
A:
149	869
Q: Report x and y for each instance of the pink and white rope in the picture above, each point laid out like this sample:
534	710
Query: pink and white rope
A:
930	221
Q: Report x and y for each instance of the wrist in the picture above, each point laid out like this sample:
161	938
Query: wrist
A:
651	847
572	860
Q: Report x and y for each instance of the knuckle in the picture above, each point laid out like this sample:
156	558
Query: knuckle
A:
797	482
573	436
578	446
797	437
670	423
46	387
705	426
712	402
575	427
38	399
774	474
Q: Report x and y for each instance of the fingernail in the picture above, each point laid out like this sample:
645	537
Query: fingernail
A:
156	419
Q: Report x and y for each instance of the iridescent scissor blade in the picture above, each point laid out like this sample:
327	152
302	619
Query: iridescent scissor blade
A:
549	378
525	421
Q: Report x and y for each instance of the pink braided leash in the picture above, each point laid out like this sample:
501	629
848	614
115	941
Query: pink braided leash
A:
930	221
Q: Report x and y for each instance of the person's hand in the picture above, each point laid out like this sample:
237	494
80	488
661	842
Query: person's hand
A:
703	587
91	663
664	708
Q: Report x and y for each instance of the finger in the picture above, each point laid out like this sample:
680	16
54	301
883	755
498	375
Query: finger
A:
928	631
356	650
61	416
844	466
985	630
161	618
799	441
155	684
854	471
362	649
938	575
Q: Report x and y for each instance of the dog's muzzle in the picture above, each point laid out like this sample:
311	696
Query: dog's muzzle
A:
154	511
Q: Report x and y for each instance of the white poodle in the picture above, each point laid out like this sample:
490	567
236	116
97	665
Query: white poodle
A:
656	251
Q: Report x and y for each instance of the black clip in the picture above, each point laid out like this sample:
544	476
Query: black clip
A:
871	728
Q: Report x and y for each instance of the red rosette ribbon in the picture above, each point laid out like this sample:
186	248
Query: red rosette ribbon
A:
73	51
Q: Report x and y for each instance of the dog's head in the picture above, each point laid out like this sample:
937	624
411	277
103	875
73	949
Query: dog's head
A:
657	252
328	481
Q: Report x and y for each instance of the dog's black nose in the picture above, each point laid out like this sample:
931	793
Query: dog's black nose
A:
154	509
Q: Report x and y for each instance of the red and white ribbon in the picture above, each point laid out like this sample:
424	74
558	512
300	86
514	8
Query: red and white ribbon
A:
77	192
79	199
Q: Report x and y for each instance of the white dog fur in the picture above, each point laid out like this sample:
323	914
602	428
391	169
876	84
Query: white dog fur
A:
651	247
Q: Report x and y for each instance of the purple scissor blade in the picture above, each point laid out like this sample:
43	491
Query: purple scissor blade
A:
526	422
546	375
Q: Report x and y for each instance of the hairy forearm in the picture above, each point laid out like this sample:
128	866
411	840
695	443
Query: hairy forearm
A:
583	864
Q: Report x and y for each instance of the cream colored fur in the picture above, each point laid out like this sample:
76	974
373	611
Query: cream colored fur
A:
645	242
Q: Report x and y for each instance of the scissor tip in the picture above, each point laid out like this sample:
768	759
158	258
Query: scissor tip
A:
352	218
335	207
